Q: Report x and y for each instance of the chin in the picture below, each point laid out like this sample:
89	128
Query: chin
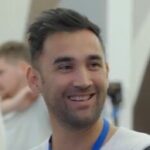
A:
83	122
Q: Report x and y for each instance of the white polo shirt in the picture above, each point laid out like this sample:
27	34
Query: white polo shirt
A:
2	134
27	129
123	139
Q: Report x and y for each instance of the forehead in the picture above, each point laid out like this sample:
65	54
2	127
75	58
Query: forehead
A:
6	62
74	44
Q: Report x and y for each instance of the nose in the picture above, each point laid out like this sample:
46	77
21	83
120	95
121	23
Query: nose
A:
82	79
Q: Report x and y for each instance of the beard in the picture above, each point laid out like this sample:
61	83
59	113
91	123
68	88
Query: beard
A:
69	118
74	121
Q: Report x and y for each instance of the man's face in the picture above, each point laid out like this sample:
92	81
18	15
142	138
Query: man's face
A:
11	78
74	77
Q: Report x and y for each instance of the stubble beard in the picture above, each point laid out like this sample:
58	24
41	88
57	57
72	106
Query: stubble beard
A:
69	119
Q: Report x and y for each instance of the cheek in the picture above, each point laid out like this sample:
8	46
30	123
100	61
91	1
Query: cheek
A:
55	86
100	80
58	81
4	82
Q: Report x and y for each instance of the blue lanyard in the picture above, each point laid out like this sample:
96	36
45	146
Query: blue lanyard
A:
49	146
101	139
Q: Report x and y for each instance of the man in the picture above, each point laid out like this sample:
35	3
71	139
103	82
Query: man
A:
72	74
25	115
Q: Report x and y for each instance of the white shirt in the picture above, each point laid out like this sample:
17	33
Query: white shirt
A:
123	139
27	129
2	134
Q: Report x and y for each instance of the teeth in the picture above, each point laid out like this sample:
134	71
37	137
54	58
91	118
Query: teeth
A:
79	98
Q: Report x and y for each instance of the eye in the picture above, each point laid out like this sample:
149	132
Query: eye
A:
95	65
1	72
65	67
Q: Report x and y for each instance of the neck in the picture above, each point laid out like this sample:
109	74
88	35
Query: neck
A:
73	139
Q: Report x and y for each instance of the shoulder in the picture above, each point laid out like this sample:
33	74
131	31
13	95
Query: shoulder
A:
131	133
129	140
136	140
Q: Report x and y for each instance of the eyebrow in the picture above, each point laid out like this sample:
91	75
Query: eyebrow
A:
62	59
95	57
70	59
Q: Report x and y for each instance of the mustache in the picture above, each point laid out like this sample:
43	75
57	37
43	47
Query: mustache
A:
81	90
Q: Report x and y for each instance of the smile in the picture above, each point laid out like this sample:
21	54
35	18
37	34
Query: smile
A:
81	97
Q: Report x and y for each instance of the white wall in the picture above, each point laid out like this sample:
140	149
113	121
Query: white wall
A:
141	10
128	48
140	56
140	52
13	14
119	39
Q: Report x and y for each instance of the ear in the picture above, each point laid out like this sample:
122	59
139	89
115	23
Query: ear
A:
107	69
107	74
33	79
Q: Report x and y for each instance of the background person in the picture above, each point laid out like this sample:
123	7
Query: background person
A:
25	114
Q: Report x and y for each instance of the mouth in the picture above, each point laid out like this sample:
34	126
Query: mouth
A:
80	98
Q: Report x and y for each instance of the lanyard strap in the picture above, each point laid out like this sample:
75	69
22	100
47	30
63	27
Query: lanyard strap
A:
102	137
49	146
49	143
100	140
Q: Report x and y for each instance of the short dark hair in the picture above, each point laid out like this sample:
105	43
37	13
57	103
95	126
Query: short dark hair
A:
57	20
14	51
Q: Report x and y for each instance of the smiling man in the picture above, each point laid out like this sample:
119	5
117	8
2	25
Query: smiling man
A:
72	74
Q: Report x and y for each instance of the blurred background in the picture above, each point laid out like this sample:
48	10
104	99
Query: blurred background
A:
125	27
